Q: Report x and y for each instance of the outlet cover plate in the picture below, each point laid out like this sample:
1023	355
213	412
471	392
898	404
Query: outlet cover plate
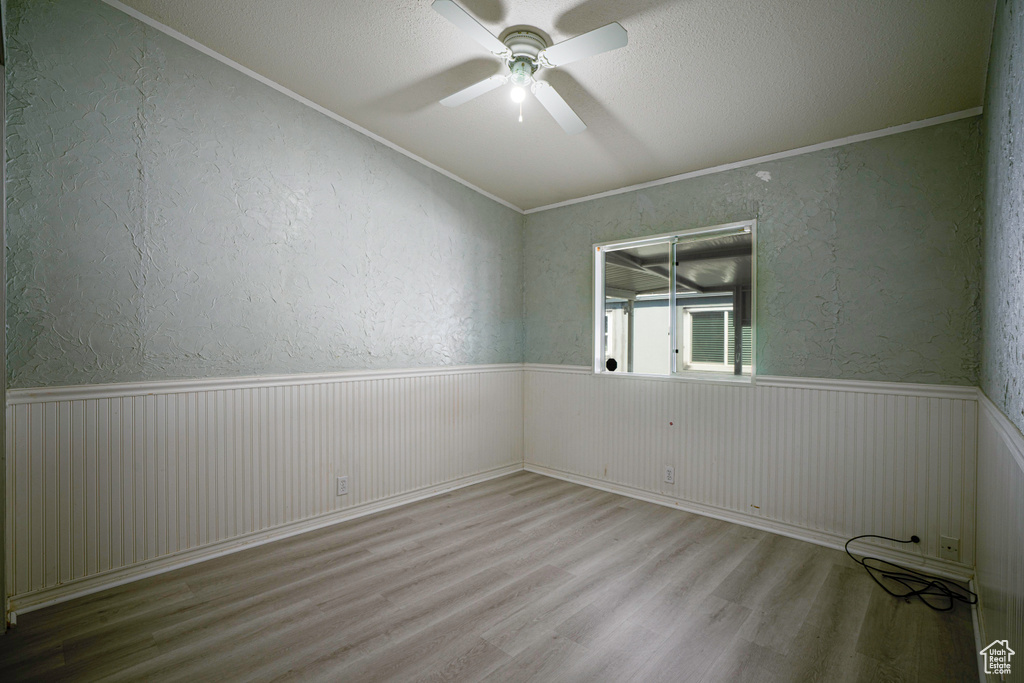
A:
342	486
949	548
670	474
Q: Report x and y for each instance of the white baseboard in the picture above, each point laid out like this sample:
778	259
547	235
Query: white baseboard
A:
976	627
943	568
30	602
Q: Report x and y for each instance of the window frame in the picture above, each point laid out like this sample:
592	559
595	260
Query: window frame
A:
677	368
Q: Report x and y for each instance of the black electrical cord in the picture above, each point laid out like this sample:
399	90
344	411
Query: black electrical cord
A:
937	593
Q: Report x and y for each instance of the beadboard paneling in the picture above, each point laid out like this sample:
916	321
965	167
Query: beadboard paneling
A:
833	458
110	477
1000	564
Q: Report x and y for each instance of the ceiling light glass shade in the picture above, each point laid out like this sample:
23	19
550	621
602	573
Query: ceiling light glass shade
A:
522	72
518	94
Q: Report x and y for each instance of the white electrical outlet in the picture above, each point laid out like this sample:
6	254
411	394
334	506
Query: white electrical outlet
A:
342	486
949	548
670	474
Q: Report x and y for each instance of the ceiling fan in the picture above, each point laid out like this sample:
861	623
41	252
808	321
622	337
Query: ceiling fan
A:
523	52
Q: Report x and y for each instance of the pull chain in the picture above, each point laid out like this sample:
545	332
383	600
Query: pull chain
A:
520	112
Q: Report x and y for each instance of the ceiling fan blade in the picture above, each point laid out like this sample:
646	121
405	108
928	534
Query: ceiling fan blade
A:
461	18
556	106
475	90
604	39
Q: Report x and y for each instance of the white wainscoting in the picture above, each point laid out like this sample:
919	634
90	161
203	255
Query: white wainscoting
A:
1000	564
109	483
821	460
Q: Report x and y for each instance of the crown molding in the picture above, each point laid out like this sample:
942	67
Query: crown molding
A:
181	37
839	142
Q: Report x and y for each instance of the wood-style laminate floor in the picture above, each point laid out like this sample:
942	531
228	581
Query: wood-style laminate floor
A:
520	578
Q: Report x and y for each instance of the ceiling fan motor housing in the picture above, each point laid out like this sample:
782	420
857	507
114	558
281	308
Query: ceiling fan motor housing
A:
525	46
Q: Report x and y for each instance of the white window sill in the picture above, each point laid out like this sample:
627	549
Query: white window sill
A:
693	377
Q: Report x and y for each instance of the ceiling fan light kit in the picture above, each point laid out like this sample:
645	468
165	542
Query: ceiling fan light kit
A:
524	52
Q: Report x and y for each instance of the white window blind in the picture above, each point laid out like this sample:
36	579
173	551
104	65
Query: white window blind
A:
712	338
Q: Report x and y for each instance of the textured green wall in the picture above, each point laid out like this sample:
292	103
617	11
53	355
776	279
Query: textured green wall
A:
868	257
1003	321
171	217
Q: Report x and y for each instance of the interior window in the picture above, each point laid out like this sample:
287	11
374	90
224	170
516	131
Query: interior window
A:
676	304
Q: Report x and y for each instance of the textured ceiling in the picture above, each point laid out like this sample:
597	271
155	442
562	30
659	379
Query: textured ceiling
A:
701	83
